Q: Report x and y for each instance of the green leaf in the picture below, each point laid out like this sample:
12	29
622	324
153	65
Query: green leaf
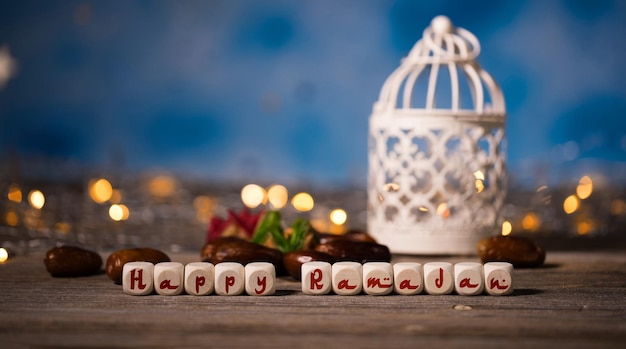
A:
300	231
271	221
279	239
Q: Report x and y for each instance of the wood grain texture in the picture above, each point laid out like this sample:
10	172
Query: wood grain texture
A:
576	300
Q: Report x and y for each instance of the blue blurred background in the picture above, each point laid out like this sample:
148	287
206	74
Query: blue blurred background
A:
282	90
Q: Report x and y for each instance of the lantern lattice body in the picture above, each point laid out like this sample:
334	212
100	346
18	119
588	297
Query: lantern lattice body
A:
437	179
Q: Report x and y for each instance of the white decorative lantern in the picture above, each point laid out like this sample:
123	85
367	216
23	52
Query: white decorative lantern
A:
437	176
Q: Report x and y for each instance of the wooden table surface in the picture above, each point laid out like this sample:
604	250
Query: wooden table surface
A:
575	300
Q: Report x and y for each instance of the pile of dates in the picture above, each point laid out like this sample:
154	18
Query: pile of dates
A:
353	246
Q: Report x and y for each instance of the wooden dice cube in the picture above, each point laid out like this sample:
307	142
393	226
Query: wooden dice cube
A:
438	278
199	278
347	278
260	279
498	278
169	278
468	278
316	278
377	278
229	278
408	278
137	278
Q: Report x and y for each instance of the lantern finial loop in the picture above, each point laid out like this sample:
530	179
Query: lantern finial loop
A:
442	25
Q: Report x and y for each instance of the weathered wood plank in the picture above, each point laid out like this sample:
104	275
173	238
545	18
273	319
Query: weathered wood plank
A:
578	299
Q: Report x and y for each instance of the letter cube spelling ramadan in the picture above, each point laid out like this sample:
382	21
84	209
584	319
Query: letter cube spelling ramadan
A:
316	278
260	279
199	278
137	279
377	278
438	278
468	278
408	278
347	278
498	278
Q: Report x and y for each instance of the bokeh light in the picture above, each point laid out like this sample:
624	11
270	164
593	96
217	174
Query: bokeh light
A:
162	186
531	222
204	206
303	202
15	193
119	212
443	210
11	218
570	204
253	195
278	196
338	216
507	228
36	199
4	255
391	187
583	228
584	188
100	190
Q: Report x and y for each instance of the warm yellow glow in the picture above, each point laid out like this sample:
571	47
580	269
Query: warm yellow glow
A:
583	228
303	202
338	216
618	207
36	199
479	175
570	204
63	227
320	224
12	218
531	222
442	210
507	228
336	229
253	195
480	186
204	206
391	187
203	203
423	209
584	188
4	255
162	186
100	190
278	196
119	212
15	193
116	196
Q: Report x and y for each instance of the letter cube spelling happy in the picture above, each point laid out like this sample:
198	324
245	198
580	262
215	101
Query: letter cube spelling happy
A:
137	279
229	279
260	277
199	278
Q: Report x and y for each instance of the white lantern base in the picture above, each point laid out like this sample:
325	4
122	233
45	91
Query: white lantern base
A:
428	244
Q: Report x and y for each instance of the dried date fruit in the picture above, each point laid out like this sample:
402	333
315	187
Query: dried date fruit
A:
352	235
355	251
293	260
519	251
233	249
117	259
69	261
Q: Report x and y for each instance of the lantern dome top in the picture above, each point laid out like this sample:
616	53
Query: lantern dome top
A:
440	76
